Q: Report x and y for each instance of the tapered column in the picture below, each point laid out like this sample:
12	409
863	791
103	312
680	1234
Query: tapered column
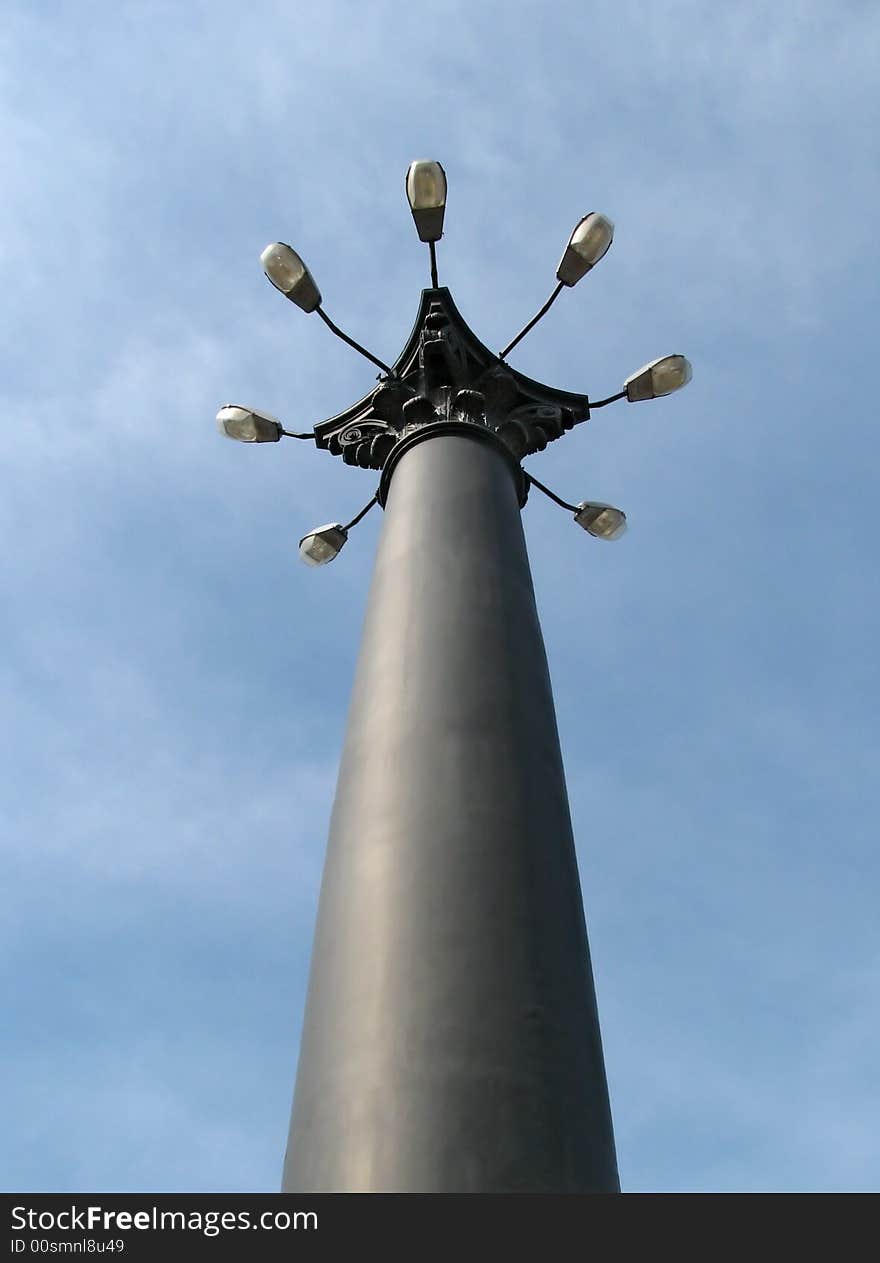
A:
451	1040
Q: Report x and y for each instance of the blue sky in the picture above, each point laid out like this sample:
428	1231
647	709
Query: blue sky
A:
175	682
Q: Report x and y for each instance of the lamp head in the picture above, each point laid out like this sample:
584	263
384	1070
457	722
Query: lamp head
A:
287	272
660	377
248	425
322	544
601	520
426	193
586	246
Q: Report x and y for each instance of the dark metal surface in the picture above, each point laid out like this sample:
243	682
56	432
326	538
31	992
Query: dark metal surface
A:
451	1040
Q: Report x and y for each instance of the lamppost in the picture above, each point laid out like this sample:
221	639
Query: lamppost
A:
451	1039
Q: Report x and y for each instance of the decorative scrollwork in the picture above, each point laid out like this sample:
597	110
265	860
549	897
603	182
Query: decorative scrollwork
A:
365	443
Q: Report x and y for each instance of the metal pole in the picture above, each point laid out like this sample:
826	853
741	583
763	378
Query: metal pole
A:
451	1039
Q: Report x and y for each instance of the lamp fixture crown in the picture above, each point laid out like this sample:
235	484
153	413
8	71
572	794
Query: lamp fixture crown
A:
445	379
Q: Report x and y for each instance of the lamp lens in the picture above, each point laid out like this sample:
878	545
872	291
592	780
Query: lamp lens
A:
602	521
283	266
592	237
669	374
426	186
322	545
608	524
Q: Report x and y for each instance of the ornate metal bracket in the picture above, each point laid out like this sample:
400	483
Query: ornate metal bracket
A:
445	374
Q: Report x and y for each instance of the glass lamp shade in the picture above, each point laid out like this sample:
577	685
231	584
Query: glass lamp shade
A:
247	425
287	272
426	193
587	244
322	544
660	377
601	520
